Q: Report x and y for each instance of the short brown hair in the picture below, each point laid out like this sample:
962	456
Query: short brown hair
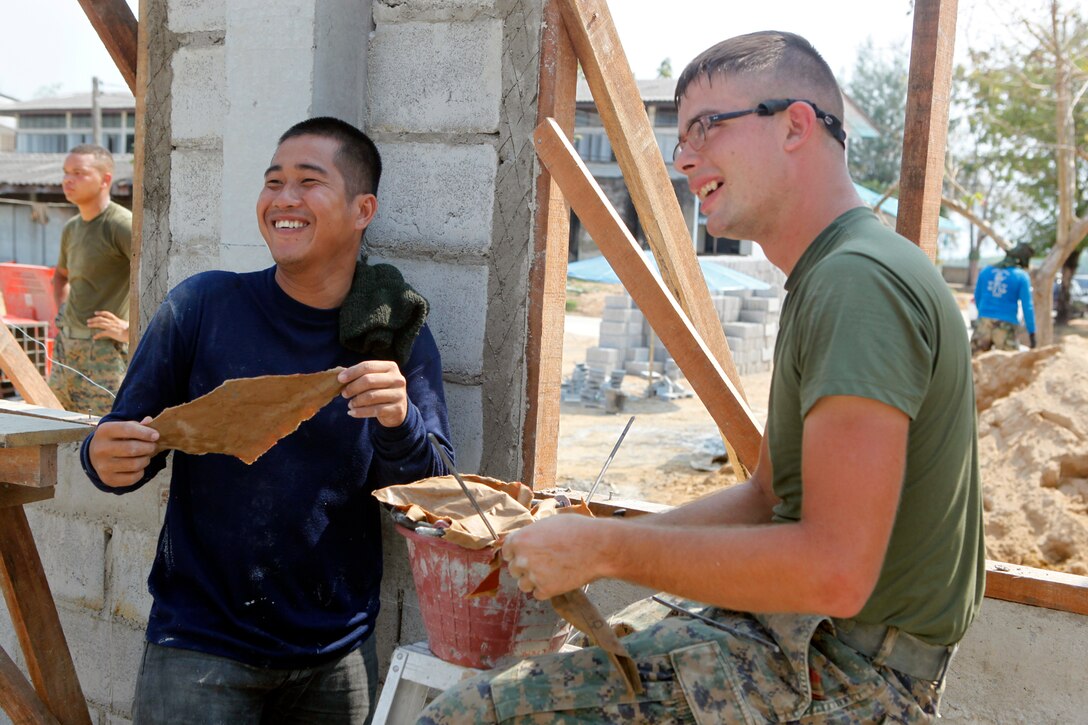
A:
103	159
774	53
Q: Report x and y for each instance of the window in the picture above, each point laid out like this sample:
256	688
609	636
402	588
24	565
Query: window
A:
51	120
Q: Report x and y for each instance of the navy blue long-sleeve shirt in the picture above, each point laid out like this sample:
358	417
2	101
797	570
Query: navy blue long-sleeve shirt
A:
278	563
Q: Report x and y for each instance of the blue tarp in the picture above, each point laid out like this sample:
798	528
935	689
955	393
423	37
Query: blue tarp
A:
719	278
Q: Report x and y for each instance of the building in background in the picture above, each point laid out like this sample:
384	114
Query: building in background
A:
56	124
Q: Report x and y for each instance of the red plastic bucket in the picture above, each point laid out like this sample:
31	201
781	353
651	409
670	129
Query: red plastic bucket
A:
484	631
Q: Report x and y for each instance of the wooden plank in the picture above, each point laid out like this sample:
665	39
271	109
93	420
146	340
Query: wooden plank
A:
17	431
711	384
138	177
548	264
619	104
34	617
13	495
24	374
33	466
17	697
1037	587
925	132
116	27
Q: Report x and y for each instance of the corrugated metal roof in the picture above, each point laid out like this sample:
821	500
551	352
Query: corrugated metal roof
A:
74	102
17	169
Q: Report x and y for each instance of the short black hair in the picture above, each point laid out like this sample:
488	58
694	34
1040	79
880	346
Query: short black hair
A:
357	160
786	56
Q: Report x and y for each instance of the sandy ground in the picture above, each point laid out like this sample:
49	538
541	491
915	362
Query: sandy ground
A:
1033	444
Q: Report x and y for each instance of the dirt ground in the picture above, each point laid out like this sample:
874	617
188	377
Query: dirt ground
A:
1033	442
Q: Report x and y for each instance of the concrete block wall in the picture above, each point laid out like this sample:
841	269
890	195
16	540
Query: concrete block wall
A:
448	91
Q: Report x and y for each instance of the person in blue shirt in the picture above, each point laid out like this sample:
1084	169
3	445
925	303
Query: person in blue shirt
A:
1002	291
266	577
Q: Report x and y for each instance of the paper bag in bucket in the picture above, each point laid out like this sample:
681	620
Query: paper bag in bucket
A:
474	613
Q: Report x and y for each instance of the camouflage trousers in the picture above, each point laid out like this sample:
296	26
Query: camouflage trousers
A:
991	334
760	669
103	361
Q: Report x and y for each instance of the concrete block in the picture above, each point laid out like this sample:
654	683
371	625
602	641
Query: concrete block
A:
642	368
771	291
245	257
73	554
199	102
637	354
417	78
621	342
126	651
770	304
88	638
743	329
771	329
767	354
431	10
458	307
623	302
76	496
728	308
196	192
459	185
621	328
131	552
602	356
464	403
187	16
618	314
760	316
742	293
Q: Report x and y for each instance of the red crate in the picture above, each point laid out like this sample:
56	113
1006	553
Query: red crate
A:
28	293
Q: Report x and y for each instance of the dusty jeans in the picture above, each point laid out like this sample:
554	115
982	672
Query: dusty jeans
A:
765	670
177	686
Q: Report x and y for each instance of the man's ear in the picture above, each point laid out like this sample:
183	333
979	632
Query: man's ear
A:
802	122
366	206
107	180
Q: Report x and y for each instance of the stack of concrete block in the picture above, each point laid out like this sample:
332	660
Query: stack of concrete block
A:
749	319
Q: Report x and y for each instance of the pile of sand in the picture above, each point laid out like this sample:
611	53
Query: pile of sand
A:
1033	452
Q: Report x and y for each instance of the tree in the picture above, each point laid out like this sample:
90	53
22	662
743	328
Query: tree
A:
878	85
1027	100
665	69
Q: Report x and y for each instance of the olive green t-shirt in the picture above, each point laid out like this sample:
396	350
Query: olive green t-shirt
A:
97	255
867	314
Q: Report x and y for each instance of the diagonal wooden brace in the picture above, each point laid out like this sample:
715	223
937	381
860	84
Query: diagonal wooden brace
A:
683	342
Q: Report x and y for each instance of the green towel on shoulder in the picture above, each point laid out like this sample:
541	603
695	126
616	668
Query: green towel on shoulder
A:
382	314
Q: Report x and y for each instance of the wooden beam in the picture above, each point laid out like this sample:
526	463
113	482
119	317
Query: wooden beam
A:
1037	587
116	28
16	495
925	132
138	166
32	466
17	697
619	104
548	264
24	374
711	384
35	619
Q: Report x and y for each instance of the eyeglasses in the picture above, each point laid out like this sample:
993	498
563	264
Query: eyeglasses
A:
698	129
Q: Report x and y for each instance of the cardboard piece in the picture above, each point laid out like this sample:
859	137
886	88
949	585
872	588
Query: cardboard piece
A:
246	416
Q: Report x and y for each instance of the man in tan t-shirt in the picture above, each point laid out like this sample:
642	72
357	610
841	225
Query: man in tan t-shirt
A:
90	286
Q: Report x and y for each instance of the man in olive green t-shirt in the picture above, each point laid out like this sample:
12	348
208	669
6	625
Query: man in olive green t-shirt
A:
835	582
90	286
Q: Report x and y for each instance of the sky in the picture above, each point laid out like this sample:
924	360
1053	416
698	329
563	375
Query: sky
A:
49	45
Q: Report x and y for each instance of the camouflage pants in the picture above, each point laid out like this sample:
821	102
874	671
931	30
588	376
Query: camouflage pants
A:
103	361
991	334
765	669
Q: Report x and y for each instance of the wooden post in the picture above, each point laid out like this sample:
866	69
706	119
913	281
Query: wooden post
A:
619	103
711	384
548	264
926	127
